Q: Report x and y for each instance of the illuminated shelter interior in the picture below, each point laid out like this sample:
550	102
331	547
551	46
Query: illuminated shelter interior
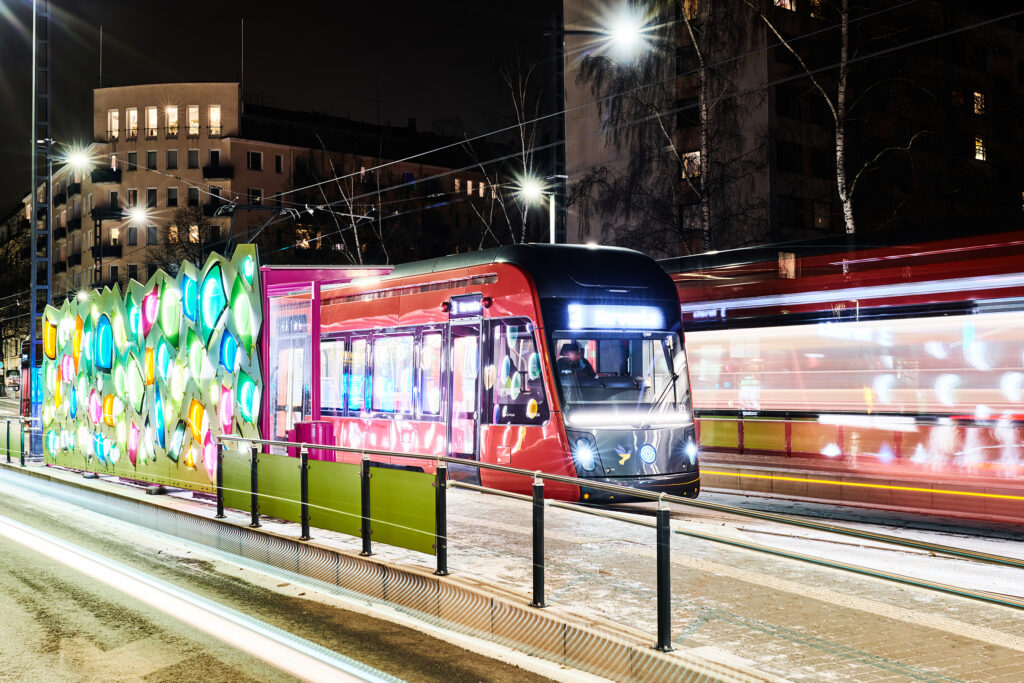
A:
139	384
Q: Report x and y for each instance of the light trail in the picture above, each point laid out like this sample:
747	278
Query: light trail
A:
891	487
285	651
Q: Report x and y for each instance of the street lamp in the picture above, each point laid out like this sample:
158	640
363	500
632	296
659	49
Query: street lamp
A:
532	191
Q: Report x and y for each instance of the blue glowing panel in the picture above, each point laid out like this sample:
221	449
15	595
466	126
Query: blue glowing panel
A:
103	354
228	351
615	317
189	297
212	302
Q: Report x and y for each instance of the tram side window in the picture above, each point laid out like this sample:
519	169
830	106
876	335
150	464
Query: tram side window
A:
392	374
355	379
516	392
430	374
332	370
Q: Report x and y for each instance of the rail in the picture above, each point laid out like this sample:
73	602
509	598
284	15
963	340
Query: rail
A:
22	421
661	524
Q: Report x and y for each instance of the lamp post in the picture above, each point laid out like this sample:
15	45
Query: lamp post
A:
532	191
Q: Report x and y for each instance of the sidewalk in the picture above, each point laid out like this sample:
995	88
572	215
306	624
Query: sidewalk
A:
736	615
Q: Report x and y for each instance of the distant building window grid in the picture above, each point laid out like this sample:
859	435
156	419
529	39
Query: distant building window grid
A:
980	152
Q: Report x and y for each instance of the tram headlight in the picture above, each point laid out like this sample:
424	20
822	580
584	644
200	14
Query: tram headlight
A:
586	453
691	452
648	453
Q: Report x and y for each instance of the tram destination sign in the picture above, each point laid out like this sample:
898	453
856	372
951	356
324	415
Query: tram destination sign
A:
465	306
587	316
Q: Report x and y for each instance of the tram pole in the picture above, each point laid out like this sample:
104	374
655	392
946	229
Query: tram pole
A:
254	482
220	481
304	492
364	505
7	444
538	542
441	518
664	559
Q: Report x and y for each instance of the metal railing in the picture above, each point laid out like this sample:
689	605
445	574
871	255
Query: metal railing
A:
24	428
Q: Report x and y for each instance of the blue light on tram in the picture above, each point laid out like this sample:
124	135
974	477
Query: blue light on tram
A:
648	453
585	455
691	451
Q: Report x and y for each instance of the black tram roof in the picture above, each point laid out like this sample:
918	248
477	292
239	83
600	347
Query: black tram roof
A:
565	270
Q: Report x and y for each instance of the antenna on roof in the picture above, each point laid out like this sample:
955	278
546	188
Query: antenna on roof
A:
101	55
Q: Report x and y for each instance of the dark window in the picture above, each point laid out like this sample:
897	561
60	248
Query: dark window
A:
278	163
255	195
151	270
115	201
214	233
151	239
193	196
688	113
172	158
151	159
133	236
193	158
151	197
133	161
789	157
133	271
787	103
790	209
113	273
254	161
172	196
686	59
214	157
980	58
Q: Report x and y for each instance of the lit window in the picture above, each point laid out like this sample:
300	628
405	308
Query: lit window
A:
786	4
151	122
115	236
172	121
979	148
133	197
391	388
458	185
172	234
691	164
469	187
132	116
332	385
430	374
979	103
113	124
481	189
690	8
113	162
193	234
215	127
193	120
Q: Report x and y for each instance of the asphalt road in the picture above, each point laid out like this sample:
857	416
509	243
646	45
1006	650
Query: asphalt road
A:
61	624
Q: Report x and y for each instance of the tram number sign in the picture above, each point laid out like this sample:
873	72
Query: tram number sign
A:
465	306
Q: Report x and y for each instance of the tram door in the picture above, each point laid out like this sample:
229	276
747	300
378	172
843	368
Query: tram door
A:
464	400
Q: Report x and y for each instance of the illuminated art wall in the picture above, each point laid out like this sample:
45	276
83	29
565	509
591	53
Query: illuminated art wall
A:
139	385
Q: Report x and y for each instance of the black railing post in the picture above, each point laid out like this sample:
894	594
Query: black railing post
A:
304	491
664	579
364	505
538	542
220	481
22	453
8	442
441	518
254	484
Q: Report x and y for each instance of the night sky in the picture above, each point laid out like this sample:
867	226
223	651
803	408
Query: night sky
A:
433	61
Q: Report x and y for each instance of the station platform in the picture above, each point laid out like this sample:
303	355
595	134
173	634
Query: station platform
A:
904	487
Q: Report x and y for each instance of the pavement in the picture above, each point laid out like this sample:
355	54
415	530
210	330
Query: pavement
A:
736	614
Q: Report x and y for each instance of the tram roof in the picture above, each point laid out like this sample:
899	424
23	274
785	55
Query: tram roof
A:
557	269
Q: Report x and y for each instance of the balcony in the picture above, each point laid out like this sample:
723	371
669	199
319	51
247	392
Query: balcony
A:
107	251
151	133
59	267
218	172
60	233
171	132
132	134
193	132
216	131
106	175
60	198
74	260
74	189
74	224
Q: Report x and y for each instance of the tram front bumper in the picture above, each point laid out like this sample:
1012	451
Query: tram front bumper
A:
683	484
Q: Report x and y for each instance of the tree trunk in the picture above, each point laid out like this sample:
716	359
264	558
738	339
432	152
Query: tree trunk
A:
845	196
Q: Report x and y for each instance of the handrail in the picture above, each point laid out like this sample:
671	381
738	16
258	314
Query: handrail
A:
952	551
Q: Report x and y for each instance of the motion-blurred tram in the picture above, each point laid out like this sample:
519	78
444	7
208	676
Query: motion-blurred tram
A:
564	359
908	355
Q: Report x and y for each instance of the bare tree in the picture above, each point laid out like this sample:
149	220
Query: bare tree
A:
14	301
190	236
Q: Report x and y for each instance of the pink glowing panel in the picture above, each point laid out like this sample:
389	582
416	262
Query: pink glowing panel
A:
67	368
95	407
226	410
150	308
210	457
133	443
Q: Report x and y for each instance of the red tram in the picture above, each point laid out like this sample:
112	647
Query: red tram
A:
564	359
898	356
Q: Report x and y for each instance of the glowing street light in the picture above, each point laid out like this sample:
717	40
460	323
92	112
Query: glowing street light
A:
137	215
77	158
627	32
532	191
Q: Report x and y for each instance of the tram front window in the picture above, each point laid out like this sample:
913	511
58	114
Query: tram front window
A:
639	378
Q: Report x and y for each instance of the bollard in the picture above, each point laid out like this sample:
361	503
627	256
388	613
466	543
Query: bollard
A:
441	518
538	542
254	484
220	481
664	579
304	492
364	504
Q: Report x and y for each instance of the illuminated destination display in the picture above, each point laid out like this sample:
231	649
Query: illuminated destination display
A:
465	306
585	316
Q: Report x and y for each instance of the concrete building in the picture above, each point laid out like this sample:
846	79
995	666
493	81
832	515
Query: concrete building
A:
174	146
931	133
